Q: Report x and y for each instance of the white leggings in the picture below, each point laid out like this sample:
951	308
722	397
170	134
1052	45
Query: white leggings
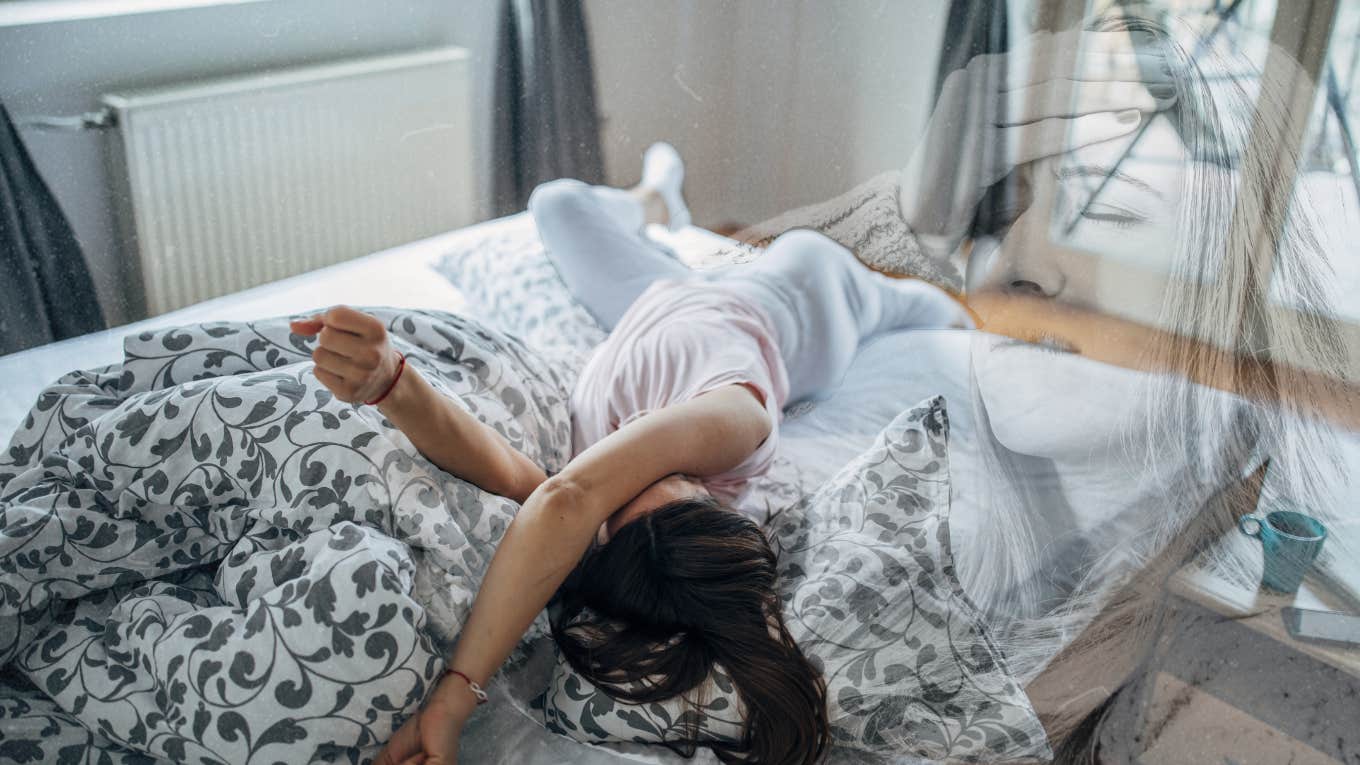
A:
822	300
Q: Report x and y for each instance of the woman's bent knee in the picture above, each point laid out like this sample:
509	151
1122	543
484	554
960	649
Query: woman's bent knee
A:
562	197
809	256
805	241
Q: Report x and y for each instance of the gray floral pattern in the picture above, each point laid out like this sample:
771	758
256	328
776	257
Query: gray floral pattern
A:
205	556
869	590
574	707
870	594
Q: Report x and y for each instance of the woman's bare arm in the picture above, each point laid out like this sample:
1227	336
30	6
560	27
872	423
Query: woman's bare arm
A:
458	442
356	362
704	436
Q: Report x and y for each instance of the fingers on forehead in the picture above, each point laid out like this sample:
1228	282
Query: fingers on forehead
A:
1069	98
1059	135
1095	128
1072	41
1144	66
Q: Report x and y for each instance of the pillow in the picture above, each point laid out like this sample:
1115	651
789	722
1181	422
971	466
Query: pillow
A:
574	707
870	594
867	221
506	274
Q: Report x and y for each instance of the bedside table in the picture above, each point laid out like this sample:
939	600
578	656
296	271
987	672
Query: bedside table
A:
1230	685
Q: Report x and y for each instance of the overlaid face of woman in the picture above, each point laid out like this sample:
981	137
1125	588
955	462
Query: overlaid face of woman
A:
1087	209
1085	224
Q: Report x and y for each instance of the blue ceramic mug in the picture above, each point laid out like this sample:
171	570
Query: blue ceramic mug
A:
1291	541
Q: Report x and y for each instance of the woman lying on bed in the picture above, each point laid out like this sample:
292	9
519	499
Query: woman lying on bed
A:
711	359
672	416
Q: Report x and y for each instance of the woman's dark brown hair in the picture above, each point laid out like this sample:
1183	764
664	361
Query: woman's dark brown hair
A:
690	585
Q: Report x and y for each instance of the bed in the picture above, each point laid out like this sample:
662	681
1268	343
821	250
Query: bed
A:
407	277
890	374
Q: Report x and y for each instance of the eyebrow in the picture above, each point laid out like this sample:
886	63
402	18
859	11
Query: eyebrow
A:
1096	171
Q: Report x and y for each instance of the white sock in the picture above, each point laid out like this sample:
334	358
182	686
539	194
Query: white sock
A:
664	172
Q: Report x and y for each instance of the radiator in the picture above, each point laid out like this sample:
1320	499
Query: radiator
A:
229	184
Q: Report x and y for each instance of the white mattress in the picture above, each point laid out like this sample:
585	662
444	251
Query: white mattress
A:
889	375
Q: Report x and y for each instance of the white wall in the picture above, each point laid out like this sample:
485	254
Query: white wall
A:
775	103
660	75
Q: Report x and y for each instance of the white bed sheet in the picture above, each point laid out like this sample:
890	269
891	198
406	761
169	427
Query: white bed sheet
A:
890	374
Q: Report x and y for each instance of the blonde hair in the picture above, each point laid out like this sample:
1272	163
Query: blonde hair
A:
1221	296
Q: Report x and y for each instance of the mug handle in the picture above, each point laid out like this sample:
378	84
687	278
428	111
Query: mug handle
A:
1242	526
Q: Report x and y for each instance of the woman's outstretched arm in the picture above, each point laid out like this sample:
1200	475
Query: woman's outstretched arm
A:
706	435
458	442
356	362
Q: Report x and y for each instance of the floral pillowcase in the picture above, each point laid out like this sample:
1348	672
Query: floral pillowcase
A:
870	594
869	588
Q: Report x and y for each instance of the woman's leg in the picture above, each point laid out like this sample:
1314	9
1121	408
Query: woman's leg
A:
824	303
594	235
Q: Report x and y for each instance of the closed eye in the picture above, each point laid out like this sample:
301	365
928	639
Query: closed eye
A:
1110	216
1118	221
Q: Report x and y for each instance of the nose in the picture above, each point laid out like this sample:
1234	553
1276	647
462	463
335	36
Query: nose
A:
1026	287
1026	275
1034	274
1023	263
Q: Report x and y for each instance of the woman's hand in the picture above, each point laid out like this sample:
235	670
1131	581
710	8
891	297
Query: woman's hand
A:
353	357
431	736
357	363
1055	92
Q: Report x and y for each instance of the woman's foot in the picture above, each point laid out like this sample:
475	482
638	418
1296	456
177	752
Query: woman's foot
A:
664	172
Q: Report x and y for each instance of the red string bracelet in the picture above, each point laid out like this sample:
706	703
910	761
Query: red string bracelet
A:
476	689
401	366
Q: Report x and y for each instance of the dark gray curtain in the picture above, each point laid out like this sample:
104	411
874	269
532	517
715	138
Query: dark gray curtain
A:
974	28
46	292
544	125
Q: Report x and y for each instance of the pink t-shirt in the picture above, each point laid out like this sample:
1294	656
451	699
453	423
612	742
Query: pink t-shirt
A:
676	341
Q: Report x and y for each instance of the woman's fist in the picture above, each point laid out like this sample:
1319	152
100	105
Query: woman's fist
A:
353	357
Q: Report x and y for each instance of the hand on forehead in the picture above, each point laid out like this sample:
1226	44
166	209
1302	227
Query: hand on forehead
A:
1148	165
